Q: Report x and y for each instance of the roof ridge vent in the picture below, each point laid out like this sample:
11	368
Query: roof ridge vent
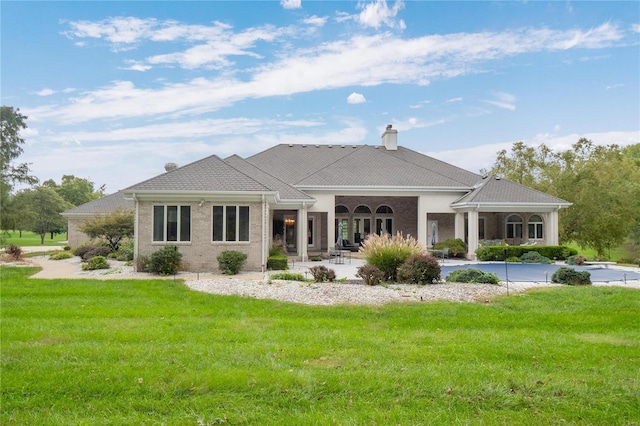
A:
168	167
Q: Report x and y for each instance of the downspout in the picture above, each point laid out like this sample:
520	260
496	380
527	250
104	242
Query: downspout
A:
263	243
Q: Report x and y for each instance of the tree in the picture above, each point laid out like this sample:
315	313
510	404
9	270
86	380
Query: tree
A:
602	182
41	209
113	227
11	123
75	190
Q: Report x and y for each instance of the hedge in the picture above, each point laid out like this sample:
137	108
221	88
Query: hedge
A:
498	252
277	263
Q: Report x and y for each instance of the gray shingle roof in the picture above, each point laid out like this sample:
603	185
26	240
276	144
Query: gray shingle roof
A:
209	174
286	191
359	165
504	191
105	204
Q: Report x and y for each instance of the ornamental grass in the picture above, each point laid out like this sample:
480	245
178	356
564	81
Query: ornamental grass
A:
388	252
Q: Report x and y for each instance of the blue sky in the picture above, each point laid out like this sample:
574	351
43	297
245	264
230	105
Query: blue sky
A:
114	90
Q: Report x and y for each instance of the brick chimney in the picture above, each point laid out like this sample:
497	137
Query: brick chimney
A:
390	138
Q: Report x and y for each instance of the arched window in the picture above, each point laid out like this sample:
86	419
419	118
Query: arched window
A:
384	225
384	210
514	226
536	227
340	209
362	209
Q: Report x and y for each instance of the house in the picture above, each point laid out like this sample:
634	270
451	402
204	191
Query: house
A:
306	193
102	206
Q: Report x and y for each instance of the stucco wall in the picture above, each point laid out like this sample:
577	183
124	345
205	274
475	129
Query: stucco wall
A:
200	253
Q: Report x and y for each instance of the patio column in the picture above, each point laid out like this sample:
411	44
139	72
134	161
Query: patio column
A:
473	234
302	234
422	221
459	226
552	228
331	225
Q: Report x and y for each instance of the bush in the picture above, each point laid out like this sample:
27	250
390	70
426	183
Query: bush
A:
278	263
488	253
81	250
141	263
278	247
96	251
321	274
514	259
165	261
577	259
457	247
66	248
125	250
570	276
230	262
14	251
419	269
61	255
471	275
535	257
388	252
370	274
96	262
287	276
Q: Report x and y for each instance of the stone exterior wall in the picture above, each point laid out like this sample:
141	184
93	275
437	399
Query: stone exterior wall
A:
201	252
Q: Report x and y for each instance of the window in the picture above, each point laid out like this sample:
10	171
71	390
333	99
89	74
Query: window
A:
362	209
384	209
514	227
171	223
535	227
481	228
230	223
340	209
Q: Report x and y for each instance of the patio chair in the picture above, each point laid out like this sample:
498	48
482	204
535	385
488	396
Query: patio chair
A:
445	253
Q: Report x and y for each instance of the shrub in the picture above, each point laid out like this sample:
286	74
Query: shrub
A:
316	259
165	261
230	262
514	259
66	248
419	269
96	251
457	247
487	253
287	276
370	274
125	250
570	276
389	252
577	259
472	276
321	274
14	251
535	257
81	250
278	247
96	262
61	255
278	263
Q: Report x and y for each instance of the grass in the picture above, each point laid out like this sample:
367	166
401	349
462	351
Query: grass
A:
153	352
31	239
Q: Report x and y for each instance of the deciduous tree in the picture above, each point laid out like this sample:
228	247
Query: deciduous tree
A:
41	209
75	190
113	227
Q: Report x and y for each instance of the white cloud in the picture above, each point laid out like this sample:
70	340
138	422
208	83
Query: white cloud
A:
635	28
614	86
356	98
453	100
419	105
359	61
377	14
46	92
316	21
414	123
502	100
291	4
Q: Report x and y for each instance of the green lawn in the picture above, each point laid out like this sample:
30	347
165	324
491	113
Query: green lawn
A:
89	352
31	239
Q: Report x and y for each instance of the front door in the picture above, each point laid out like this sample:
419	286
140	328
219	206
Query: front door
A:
290	234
